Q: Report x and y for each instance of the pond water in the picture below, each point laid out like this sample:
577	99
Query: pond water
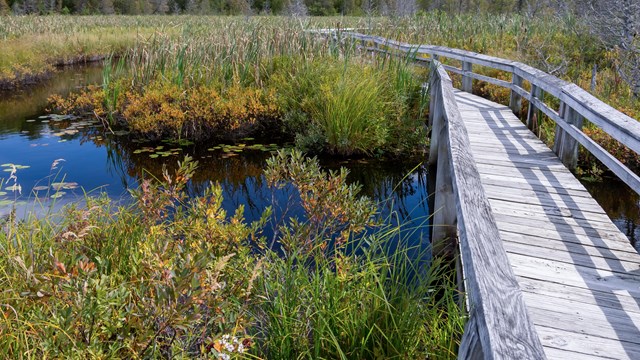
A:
60	159
90	160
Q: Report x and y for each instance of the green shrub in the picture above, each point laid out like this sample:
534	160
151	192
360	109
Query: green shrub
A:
173	277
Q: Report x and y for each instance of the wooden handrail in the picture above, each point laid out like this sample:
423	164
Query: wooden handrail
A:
499	326
575	103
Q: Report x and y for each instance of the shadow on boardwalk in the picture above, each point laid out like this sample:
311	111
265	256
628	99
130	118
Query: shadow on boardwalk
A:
579	274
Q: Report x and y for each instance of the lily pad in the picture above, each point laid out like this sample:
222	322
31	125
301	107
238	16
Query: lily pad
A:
58	195
19	167
64	185
40	188
153	156
13	188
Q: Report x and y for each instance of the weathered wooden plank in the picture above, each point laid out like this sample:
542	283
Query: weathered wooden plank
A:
526	171
566	225
527	186
605	248
523	164
623	302
532	181
565	234
581	344
512	148
516	195
592	259
525	209
553	353
585	319
488	79
575	275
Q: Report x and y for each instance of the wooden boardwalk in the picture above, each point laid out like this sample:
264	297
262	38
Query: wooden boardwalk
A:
579	275
545	272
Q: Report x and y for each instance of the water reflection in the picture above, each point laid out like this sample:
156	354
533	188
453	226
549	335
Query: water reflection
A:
113	163
621	203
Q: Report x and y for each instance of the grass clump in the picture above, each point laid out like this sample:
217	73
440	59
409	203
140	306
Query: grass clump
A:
173	277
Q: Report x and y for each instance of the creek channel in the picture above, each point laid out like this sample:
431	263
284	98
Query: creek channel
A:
62	159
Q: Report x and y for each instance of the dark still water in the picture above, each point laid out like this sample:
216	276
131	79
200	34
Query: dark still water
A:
621	203
60	158
89	160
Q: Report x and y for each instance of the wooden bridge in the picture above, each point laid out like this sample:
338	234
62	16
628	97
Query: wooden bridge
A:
546	272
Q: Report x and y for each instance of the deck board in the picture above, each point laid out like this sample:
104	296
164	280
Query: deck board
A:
579	274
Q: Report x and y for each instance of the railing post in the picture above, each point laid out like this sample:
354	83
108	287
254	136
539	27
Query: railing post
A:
565	146
467	81
515	103
444	230
470	345
532	116
435	118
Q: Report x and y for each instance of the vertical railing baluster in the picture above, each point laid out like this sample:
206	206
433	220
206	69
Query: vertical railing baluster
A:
515	103
467	81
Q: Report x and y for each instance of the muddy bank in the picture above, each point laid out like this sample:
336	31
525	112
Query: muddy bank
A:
25	80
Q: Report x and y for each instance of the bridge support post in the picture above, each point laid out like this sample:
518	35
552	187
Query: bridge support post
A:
435	119
565	146
467	81
515	103
444	229
470	345
532	114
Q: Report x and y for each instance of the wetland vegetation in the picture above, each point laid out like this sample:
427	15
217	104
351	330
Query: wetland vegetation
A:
176	273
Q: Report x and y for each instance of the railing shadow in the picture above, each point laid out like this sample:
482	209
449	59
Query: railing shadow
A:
562	213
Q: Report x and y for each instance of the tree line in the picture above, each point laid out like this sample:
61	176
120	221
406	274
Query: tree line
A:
295	7
615	22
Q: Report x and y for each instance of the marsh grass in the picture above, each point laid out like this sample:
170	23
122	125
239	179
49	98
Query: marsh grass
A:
245	78
174	277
